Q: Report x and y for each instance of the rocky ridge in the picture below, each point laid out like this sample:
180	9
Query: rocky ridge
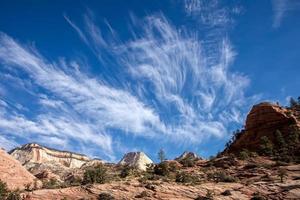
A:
35	153
138	160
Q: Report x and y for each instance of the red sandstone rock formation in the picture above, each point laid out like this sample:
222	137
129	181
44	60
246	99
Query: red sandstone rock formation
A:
263	120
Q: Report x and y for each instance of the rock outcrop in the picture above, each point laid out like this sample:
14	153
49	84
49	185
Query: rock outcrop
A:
263	120
136	159
188	155
13	173
35	153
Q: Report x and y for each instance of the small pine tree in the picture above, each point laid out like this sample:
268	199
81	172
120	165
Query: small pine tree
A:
161	155
282	148
282	174
266	146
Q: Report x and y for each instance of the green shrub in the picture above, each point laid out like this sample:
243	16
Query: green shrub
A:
244	154
266	146
3	190
188	162
127	171
51	184
162	169
105	196
221	177
97	174
184	177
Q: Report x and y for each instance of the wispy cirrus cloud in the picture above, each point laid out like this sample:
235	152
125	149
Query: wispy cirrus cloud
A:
281	8
173	84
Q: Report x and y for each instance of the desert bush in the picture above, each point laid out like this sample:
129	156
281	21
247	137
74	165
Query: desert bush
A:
188	162
3	190
221	177
51	184
244	154
105	196
184	177
97	174
127	171
162	169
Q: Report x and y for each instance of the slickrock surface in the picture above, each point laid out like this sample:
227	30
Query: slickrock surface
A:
136	159
13	173
35	153
263	120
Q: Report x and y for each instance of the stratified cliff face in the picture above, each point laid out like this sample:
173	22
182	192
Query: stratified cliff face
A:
35	153
13	173
136	159
263	120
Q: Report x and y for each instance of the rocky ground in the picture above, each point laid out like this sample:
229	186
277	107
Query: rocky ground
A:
217	179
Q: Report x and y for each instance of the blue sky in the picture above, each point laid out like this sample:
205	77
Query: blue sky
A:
107	77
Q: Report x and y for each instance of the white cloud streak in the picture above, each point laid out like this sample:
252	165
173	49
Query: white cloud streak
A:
281	8
177	87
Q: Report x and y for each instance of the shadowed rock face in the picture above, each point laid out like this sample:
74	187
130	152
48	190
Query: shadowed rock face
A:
136	159
13	173
35	153
263	120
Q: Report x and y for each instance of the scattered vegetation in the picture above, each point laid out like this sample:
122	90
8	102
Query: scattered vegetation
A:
162	169
188	162
51	184
97	174
221	176
185	177
128	171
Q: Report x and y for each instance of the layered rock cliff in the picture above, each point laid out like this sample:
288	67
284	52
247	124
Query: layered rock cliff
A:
136	159
265	119
35	153
13	173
